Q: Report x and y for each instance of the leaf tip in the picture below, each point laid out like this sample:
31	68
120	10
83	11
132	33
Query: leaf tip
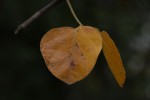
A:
122	80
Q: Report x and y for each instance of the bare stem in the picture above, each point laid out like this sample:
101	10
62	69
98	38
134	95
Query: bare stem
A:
36	15
73	13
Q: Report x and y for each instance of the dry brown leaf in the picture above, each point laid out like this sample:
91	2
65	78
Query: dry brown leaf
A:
113	58
71	53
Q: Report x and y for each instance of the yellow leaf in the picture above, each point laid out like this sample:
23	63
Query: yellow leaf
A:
71	53
113	58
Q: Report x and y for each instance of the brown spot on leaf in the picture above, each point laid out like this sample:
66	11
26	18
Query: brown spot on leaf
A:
72	64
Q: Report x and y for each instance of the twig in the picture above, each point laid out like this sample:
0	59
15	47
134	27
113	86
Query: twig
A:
36	15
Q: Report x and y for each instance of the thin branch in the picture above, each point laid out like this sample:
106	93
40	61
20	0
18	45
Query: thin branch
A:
36	15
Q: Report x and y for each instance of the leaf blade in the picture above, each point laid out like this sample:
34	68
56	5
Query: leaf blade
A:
113	58
69	54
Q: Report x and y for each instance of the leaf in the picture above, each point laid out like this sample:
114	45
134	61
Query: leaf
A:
113	58
71	53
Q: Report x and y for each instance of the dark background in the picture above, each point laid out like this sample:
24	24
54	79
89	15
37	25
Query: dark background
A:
23	73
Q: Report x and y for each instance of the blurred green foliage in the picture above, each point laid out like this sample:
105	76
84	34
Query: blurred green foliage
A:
23	73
